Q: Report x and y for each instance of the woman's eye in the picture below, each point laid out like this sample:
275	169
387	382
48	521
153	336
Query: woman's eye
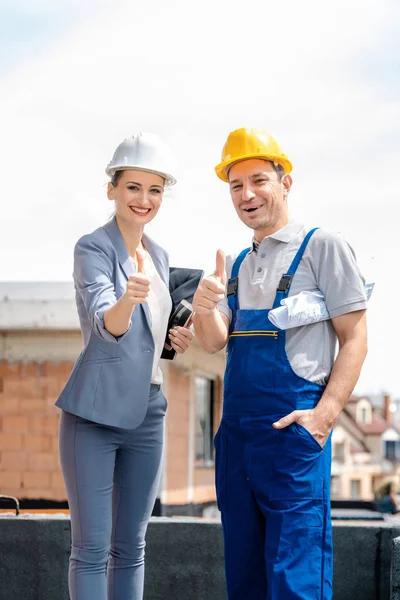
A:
155	191
132	187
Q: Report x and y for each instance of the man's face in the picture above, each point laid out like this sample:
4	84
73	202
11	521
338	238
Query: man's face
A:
259	197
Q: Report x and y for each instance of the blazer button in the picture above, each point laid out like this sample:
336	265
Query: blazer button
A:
146	349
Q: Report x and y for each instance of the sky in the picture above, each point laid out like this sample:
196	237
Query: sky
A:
78	77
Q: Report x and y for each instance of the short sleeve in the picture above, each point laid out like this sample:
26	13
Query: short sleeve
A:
223	306
338	275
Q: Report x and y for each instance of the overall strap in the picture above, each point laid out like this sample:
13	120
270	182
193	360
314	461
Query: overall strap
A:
233	284
286	279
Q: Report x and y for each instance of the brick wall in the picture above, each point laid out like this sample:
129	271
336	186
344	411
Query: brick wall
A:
29	462
177	437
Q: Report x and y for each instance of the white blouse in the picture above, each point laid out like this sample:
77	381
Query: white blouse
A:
160	305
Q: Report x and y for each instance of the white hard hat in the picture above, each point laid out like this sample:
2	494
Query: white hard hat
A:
144	152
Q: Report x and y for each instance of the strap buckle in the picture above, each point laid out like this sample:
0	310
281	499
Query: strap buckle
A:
232	286
285	283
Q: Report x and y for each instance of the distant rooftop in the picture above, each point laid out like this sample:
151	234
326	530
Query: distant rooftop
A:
37	305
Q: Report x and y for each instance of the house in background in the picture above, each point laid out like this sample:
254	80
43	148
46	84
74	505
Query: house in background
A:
365	449
39	342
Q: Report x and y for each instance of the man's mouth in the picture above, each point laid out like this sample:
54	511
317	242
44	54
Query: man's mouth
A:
140	211
251	209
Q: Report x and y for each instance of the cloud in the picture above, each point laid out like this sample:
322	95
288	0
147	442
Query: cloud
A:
192	74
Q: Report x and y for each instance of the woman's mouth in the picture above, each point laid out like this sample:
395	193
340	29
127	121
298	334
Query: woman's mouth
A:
140	211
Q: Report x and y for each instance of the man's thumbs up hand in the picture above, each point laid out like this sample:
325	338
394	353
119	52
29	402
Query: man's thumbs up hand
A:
211	291
220	269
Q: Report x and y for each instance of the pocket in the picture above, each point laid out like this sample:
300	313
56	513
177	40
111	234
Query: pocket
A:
101	361
304	433
220	467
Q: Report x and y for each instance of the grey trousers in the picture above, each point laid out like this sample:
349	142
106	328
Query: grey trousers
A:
112	477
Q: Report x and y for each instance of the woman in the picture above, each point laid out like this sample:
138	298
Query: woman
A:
112	421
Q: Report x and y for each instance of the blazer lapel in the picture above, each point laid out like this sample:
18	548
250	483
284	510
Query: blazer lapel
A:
125	261
159	258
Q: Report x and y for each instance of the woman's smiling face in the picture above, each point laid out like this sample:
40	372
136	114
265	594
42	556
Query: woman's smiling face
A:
138	196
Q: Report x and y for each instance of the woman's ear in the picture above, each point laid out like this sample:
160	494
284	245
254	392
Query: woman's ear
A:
110	191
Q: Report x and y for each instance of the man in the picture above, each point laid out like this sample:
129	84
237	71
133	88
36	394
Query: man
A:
283	392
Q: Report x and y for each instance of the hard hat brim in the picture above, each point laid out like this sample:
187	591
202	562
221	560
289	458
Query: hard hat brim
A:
169	179
221	169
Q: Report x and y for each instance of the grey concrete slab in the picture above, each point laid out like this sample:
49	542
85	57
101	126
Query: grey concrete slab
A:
184	559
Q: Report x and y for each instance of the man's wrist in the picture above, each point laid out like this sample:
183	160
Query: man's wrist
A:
328	410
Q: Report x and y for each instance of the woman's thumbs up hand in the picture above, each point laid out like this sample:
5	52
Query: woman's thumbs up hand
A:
138	286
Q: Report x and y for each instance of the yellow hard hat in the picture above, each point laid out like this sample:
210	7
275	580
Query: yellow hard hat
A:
250	143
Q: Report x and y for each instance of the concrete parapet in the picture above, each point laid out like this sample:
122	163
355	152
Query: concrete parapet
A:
184	559
395	570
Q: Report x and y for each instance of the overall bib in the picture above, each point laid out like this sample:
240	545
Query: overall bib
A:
272	485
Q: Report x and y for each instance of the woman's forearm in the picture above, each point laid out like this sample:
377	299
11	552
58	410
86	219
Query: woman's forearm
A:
117	319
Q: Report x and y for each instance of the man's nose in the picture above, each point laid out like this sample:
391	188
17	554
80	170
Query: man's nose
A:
247	193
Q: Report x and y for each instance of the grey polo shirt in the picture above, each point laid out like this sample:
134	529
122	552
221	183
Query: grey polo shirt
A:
328	265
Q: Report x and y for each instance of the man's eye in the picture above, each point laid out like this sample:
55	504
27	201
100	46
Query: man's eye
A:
236	187
260	180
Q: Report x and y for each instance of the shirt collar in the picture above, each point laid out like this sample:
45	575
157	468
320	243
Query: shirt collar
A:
286	234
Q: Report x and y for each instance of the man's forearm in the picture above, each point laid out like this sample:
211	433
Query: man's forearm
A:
344	376
211	331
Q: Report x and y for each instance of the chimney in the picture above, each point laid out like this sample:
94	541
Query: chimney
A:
387	413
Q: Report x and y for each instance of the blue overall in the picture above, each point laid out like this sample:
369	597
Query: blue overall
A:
272	485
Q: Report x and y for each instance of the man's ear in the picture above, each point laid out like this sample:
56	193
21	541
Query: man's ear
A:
287	183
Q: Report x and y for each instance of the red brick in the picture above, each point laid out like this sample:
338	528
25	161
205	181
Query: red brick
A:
13	491
46	368
54	445
29	369
38	443
10	441
45	425
27	387
58	494
13	424
36	480
8	369
9	479
37	405
37	494
9	406
50	387
52	369
43	461
57	480
13	461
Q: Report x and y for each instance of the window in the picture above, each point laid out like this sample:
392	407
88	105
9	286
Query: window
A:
335	486
364	412
338	451
390	450
355	489
205	402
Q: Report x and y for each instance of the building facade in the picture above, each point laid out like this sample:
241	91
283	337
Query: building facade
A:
39	342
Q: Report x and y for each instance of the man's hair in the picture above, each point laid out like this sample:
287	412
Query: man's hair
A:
279	170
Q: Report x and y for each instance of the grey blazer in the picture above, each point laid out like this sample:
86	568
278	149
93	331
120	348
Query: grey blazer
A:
110	381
